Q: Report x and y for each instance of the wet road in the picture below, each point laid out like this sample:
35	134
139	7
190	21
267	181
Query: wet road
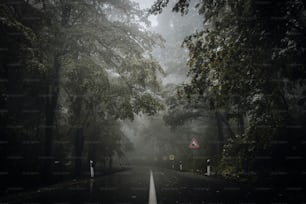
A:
137	185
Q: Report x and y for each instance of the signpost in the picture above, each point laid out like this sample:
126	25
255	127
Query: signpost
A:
194	144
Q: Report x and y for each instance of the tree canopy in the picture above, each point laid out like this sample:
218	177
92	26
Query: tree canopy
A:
248	65
70	71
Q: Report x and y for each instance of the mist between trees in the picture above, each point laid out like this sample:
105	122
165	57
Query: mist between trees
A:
86	79
247	79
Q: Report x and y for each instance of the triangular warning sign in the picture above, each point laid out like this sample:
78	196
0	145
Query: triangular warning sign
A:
194	144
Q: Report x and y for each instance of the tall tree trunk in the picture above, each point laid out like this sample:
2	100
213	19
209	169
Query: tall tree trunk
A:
220	132
78	147
240	124
103	162
110	163
227	125
51	104
92	148
92	152
79	137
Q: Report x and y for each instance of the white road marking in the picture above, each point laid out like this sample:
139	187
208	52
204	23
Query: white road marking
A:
152	193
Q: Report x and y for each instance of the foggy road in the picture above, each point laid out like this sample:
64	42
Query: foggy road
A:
135	186
100	99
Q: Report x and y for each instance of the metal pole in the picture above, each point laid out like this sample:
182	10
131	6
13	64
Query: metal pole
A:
193	161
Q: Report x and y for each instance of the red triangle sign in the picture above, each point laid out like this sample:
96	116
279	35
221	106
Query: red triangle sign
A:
194	144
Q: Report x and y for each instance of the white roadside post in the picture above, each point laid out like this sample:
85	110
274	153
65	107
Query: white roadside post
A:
208	167
92	172
181	166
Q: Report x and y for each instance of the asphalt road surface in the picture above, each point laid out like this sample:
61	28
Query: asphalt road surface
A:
156	185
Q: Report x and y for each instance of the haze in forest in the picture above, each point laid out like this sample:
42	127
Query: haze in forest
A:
153	139
115	83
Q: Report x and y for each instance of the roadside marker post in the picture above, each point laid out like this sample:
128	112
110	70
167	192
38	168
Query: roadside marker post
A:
208	167
92	170
194	144
181	166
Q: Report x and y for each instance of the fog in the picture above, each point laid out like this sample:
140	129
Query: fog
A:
100	99
152	138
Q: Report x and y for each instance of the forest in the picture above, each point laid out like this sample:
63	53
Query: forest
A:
74	73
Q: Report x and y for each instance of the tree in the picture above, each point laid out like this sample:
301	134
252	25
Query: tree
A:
69	67
22	74
90	94
248	62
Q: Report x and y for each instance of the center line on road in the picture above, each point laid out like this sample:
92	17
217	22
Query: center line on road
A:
152	193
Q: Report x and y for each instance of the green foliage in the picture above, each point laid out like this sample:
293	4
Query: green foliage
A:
70	70
104	65
9	24
237	157
248	62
